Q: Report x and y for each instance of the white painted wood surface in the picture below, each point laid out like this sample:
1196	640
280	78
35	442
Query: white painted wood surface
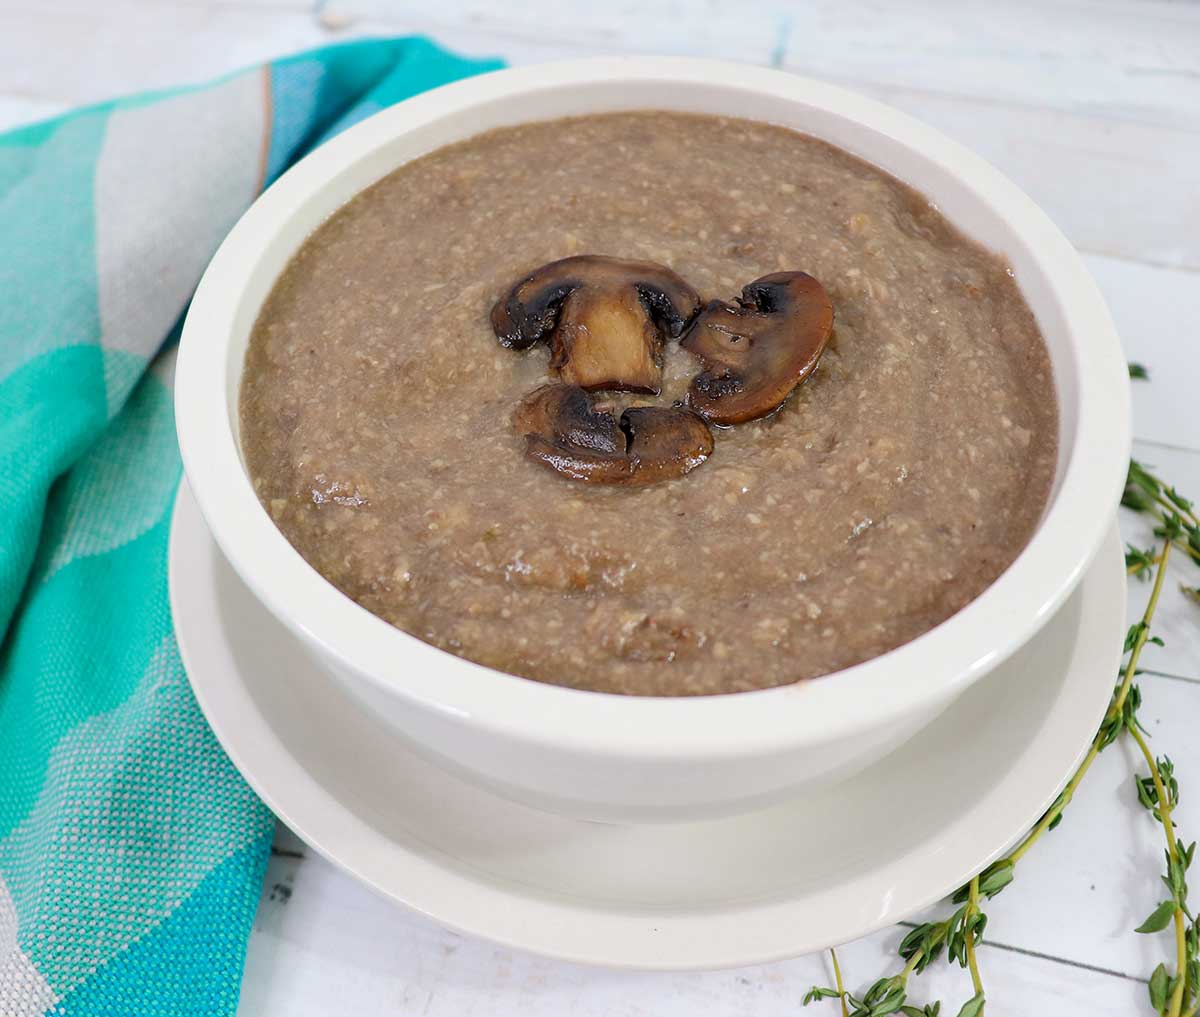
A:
1094	108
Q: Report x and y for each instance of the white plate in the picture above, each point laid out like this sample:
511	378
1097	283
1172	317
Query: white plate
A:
825	867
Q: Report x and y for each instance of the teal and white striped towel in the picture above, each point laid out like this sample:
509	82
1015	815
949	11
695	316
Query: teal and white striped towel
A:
131	852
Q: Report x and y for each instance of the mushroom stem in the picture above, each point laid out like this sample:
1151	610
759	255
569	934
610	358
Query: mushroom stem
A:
606	319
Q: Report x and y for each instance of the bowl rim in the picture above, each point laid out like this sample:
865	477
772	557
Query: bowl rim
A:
924	671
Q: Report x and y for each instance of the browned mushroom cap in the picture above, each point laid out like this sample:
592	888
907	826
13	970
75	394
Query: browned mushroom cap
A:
755	352
564	431
606	319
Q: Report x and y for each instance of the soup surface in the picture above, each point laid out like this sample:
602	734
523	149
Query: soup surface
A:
894	484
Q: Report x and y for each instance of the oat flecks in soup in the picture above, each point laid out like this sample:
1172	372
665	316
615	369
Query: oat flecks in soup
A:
895	484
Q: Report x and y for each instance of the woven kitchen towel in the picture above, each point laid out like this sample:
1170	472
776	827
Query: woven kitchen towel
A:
131	852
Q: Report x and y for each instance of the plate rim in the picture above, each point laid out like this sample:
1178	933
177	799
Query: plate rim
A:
446	893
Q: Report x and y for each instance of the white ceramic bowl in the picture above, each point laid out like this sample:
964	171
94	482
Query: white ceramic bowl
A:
626	758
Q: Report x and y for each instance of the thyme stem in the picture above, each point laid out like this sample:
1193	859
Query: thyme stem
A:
837	980
1114	709
1064	800
1180	543
1176	509
972	911
1163	810
1144	633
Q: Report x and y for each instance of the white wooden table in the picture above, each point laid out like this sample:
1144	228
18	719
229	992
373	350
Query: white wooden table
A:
1093	108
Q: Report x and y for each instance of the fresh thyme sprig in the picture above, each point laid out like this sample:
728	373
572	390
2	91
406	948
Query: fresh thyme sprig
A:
1175	514
1173	992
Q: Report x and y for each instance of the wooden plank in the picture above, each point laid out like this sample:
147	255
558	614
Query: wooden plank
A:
18	109
1071	162
1139	62
103	50
1016	980
124	46
1114	187
327	945
1157	312
1133	61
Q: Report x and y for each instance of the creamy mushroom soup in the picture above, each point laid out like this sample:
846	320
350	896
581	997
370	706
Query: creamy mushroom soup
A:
653	467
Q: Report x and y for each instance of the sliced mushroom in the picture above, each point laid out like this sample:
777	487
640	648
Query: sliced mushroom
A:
564	431
606	319
756	351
